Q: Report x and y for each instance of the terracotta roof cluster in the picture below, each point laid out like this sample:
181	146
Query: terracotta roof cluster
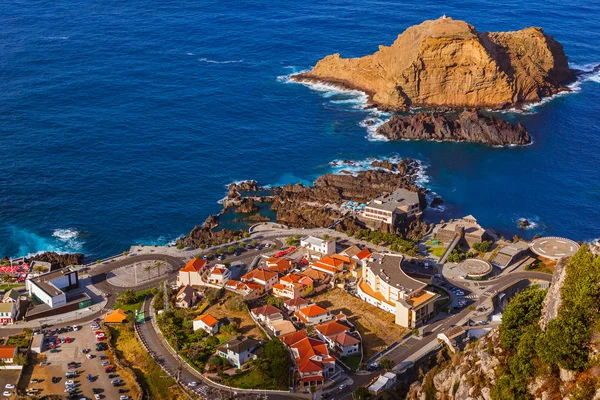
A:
218	271
194	265
243	286
297	302
311	355
337	332
206	319
314	274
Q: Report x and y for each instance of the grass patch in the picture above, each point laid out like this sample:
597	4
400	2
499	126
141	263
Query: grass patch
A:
133	307
252	379
430	243
153	379
7	286
436	251
352	361
20	340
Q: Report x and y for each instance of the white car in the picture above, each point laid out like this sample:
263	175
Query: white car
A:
105	363
97	396
75	327
193	384
7	394
70	382
124	398
342	386
9	386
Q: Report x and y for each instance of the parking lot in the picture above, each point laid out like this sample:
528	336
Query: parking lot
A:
68	357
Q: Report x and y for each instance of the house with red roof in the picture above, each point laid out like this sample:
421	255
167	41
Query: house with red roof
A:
207	323
7	354
262	277
339	337
313	362
292	286
265	312
191	274
293	305
313	314
219	275
280	265
249	290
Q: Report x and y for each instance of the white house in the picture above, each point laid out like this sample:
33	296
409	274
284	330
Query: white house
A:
324	247
191	274
238	350
262	277
7	313
313	314
382	383
207	323
339	338
219	275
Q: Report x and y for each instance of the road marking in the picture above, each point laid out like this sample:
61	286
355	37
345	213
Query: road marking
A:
436	328
561	241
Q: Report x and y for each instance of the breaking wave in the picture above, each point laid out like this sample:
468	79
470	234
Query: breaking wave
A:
351	99
209	61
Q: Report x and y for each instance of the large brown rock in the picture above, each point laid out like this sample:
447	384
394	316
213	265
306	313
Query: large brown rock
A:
58	260
467	126
447	63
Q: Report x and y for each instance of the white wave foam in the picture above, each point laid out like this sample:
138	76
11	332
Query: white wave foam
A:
65	234
56	37
355	166
533	223
209	61
189	54
352	98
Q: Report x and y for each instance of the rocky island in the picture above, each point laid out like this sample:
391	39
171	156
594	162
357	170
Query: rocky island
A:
469	125
448	63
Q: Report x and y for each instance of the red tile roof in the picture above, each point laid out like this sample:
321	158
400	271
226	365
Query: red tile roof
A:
266	310
298	301
332	328
346	339
364	253
259	274
294	337
207	319
194	265
7	351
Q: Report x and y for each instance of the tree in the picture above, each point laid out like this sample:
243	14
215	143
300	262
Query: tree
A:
220	251
236	303
246	234
231	249
523	310
386	364
242	245
128	297
274	301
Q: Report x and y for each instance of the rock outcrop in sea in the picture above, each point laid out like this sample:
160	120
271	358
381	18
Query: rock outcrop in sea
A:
58	260
448	63
467	126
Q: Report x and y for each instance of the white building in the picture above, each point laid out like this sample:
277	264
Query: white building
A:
207	323
50	288
401	204
324	247
219	275
382	383
238	351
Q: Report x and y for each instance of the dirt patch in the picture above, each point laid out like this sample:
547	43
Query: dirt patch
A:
377	327
246	324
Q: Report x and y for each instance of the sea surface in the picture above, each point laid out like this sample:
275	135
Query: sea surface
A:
121	122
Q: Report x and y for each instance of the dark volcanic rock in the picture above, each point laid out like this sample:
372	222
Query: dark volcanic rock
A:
235	188
246	206
385	164
58	260
468	126
212	221
436	202
202	235
524	223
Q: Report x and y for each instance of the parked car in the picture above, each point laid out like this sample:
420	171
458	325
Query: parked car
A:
55	379
193	384
9	386
44	363
7	394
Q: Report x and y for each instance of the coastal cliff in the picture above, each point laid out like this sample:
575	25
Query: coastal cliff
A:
447	63
469	125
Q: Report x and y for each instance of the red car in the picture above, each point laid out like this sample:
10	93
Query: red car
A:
110	368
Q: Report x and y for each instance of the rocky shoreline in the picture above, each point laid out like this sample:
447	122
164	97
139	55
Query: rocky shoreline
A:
468	126
319	205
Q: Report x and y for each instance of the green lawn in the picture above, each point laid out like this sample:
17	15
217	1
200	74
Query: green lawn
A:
7	286
352	361
430	243
436	251
141	295
251	379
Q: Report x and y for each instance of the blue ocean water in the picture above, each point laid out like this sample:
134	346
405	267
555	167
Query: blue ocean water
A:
122	121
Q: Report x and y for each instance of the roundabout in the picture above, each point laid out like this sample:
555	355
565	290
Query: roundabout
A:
554	247
474	268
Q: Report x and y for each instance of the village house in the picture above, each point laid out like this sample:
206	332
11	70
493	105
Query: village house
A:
329	265
454	338
238	351
7	313
263	313
7	354
385	285
313	314
322	247
262	277
186	297
292	286
318	277
249	290
280	326
293	305
207	323
312	359
191	274
12	296
359	257
339	338
219	275
279	265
